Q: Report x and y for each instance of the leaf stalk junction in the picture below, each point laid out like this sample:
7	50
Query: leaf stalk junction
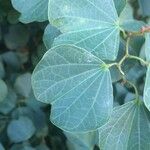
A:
129	56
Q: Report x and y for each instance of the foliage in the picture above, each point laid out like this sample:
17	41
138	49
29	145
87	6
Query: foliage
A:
94	71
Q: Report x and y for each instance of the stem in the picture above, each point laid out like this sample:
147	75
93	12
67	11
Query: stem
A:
138	58
135	89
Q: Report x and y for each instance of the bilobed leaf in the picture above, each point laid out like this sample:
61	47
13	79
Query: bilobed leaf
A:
31	10
127	129
20	130
77	84
96	30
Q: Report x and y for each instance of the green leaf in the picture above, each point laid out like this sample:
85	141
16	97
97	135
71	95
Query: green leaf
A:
120	4
50	34
77	84
87	24
31	10
9	103
127	129
20	130
23	84
147	89
147	46
127	21
144	7
81	141
3	90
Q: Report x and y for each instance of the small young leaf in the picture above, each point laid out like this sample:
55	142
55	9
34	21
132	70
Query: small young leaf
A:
31	10
77	84
127	129
20	130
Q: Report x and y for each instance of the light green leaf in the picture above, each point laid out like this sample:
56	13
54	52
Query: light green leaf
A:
87	24
147	89
127	129
20	130
77	84
31	10
81	141
3	90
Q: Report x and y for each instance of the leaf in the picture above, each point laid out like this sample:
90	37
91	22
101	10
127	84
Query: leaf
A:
127	21
144	7
31	10
120	4
75	82
23	84
9	103
127	129
81	141
49	34
96	30
3	90
147	46
147	89
42	147
20	130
